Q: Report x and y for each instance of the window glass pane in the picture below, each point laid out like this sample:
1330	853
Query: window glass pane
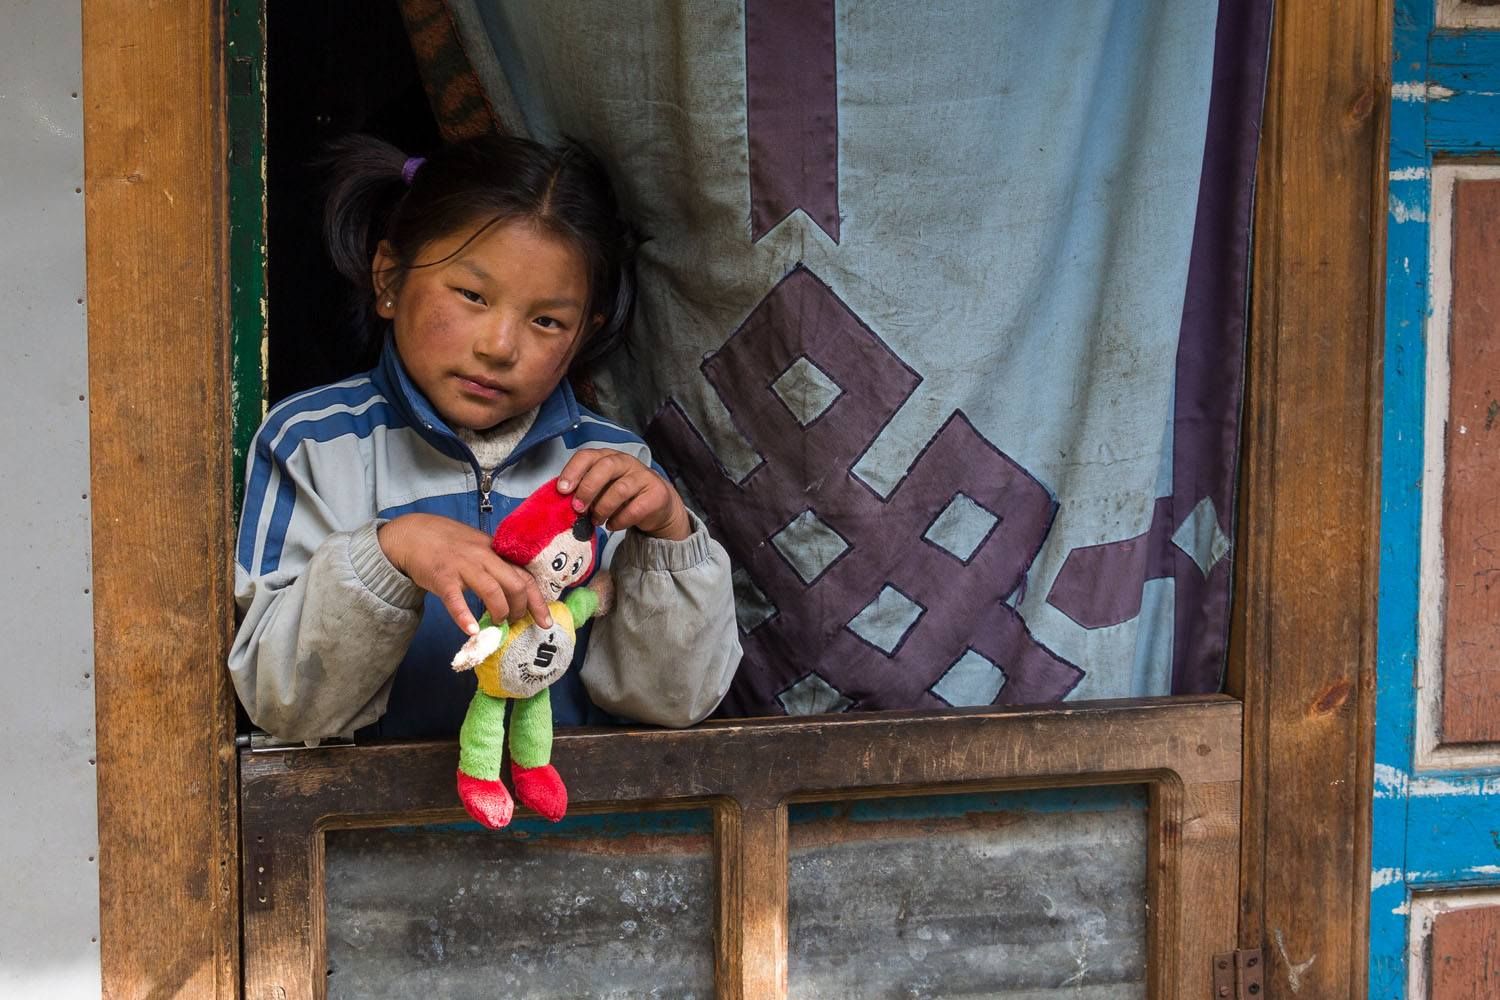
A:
609	906
1017	895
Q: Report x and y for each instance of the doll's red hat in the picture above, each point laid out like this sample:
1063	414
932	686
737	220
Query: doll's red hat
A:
541	517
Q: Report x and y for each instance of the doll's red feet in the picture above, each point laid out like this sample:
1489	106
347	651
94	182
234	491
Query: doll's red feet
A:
487	801
542	789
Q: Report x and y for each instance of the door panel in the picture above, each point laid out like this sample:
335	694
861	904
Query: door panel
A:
1435	881
1465	959
1469	514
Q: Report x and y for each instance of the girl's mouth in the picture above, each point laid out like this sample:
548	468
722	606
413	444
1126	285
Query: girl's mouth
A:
485	390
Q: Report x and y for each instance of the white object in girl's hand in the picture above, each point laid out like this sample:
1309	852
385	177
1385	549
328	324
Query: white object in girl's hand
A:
478	648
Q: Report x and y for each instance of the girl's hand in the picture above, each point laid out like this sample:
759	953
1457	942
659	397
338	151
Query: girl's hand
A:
622	493
446	558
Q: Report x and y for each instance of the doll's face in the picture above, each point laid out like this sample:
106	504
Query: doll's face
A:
562	563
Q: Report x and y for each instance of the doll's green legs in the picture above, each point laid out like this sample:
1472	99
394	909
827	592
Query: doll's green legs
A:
538	784
481	742
482	738
531	730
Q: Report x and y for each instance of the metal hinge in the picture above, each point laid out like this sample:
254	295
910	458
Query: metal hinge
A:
259	742
1239	975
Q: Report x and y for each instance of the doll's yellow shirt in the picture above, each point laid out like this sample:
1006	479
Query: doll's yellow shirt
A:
488	672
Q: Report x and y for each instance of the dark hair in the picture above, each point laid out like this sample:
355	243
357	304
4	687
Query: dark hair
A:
476	183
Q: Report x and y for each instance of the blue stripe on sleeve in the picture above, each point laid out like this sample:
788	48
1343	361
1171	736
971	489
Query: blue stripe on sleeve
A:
588	433
255	492
281	516
335	425
351	393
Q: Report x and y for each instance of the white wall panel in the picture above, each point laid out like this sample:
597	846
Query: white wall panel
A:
49	880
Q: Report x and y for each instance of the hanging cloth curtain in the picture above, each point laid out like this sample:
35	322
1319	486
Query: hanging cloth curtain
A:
942	317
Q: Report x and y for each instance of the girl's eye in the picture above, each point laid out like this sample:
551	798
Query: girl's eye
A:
471	295
549	323
558	562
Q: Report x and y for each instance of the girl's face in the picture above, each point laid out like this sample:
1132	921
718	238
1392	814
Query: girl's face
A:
489	332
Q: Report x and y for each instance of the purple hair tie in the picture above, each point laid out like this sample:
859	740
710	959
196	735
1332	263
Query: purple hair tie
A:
409	168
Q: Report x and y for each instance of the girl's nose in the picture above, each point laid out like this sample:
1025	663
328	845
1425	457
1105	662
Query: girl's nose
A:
499	342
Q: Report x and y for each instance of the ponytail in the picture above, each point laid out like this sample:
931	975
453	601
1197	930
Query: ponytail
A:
364	188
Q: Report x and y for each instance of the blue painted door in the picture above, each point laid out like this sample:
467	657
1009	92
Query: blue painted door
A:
1435	881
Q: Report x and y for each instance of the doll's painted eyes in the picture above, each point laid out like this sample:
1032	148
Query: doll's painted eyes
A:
558	562
577	565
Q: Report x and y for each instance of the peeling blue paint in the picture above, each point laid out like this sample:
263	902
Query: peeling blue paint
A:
1410	171
1466	64
1432	830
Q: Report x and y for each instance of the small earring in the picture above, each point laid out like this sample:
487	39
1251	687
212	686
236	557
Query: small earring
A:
389	303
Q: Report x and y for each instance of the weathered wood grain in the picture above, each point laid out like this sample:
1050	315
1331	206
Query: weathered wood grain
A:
1302	639
748	771
752	860
1465	954
1471	515
155	195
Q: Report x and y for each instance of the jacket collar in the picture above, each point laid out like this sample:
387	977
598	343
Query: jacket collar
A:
558	414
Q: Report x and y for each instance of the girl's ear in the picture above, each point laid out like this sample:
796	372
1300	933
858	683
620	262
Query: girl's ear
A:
382	277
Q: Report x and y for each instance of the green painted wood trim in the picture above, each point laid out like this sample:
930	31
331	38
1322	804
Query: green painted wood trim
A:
246	98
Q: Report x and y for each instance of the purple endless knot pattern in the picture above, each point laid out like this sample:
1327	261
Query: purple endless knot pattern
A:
954	603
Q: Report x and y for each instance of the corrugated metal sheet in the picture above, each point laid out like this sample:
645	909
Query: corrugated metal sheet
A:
49	880
614	907
1021	895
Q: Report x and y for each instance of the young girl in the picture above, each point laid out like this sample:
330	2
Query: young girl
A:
493	268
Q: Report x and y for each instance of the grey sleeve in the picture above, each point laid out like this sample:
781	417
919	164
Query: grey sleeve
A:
667	651
319	642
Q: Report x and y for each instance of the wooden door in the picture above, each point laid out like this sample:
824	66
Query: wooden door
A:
1435	879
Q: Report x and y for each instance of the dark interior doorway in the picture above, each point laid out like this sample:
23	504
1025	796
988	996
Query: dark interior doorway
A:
331	69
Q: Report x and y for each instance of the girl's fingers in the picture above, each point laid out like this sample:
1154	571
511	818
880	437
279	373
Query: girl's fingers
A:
522	593
489	590
458	608
583	458
620	492
605	470
637	513
538	604
615	496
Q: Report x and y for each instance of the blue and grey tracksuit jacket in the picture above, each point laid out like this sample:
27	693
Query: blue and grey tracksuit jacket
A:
335	639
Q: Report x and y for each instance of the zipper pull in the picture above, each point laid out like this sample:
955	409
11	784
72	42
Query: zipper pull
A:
486	477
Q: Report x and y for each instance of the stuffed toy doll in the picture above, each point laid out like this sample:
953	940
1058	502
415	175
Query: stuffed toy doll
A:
517	661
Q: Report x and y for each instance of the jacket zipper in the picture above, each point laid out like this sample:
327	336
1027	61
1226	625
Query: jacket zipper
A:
486	479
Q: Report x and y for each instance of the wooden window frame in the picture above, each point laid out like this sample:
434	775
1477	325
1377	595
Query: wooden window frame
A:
1301	660
1186	751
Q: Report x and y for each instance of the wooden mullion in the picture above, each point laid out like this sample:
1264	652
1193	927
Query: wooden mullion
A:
751	855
